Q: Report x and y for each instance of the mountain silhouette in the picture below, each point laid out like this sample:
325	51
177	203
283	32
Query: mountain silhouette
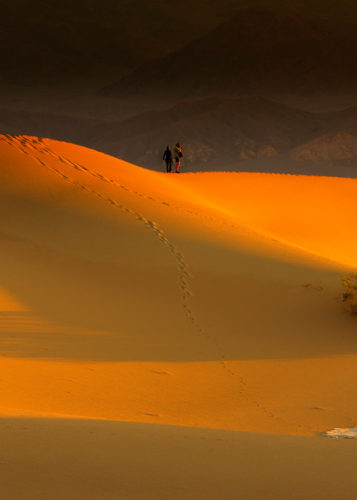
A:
232	134
257	52
217	133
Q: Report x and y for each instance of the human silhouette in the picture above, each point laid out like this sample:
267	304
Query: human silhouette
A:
167	157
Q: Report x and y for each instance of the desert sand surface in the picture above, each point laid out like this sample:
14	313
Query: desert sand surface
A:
108	460
172	336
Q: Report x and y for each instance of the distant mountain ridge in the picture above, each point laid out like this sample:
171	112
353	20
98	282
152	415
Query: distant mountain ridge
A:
217	134
220	133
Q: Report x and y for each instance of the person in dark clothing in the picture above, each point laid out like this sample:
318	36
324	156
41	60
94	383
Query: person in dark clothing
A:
168	159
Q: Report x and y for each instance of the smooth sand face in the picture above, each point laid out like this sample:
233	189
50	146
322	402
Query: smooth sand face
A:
83	459
199	300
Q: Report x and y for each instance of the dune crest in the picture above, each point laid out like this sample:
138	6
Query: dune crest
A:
246	197
201	300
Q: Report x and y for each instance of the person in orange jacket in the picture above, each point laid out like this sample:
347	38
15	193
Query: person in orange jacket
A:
178	156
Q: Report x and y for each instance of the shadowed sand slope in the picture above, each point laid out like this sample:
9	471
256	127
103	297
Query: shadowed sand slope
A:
208	301
106	460
204	300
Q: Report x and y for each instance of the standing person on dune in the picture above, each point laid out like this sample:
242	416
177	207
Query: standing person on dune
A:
178	156
168	159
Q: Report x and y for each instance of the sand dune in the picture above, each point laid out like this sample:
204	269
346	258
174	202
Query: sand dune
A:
197	300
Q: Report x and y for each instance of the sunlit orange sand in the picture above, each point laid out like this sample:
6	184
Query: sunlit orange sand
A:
207	300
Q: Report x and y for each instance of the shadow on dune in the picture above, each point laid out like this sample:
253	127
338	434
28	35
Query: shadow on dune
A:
250	307
97	459
105	282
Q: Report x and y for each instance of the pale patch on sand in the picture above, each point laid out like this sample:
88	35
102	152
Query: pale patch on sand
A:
343	433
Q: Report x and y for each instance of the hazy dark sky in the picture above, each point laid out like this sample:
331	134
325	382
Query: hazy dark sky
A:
57	39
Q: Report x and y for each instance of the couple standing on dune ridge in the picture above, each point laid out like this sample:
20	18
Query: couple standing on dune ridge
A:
167	157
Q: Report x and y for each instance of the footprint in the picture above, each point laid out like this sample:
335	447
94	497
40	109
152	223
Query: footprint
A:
160	372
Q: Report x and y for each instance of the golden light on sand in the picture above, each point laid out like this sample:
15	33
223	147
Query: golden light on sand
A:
209	300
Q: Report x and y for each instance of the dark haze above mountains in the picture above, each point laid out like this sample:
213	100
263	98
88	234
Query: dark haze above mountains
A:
47	38
258	51
226	78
